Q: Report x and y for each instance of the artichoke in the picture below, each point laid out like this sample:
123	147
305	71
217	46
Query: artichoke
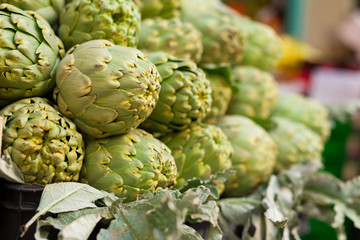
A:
297	143
255	92
254	155
128	164
199	151
173	36
263	45
41	142
223	40
306	111
29	54
159	8
48	9
106	89
115	20
221	93
185	95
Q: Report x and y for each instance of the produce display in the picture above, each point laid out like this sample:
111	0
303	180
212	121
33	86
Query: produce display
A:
162	114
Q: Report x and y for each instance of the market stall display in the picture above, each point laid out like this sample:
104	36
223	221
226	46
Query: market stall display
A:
159	129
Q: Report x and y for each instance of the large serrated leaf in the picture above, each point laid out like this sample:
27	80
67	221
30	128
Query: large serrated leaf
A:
188	233
66	197
81	228
238	210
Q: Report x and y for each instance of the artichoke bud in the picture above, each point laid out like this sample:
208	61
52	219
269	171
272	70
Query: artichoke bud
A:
306	111
200	151
159	8
255	93
185	95
41	142
254	155
105	88
172	36
115	20
128	164
297	143
48	9
30	54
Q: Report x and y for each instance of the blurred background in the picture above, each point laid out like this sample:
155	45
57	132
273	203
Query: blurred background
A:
321	59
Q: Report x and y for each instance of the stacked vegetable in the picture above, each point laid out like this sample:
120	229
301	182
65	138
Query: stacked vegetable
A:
179	106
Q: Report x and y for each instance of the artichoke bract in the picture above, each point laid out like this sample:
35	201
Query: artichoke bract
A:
297	143
221	92
185	95
306	111
173	36
128	164
41	142
255	92
29	54
159	8
48	9
106	89
222	40
115	20
254	155
200	151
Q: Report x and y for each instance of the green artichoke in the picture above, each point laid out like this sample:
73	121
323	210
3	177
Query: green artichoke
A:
106	89
41	142
254	155
221	93
255	92
48	9
29	54
263	45
297	143
173	36
185	95
306	111
159	8
115	20
199	151
128	164
223	40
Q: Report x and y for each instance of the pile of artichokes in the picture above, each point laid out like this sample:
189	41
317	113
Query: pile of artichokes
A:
136	106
